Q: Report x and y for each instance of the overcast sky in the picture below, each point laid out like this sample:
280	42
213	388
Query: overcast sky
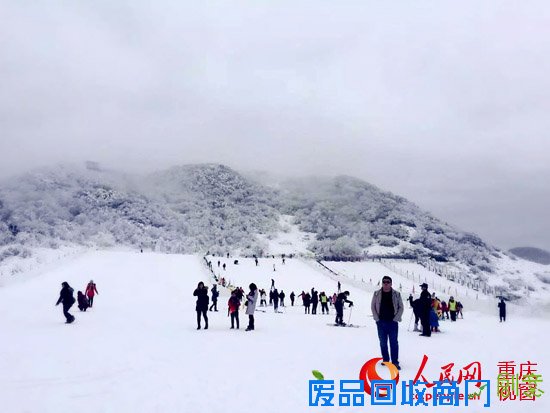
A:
445	103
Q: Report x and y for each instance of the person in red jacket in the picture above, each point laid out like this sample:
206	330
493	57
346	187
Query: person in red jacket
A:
233	308
91	291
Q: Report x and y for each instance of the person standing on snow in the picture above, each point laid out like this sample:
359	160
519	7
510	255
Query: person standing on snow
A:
201	292
282	296
424	308
251	300
387	309
452	308
91	291
215	294
275	300
292	296
314	301
233	308
339	306
324	302
66	297
502	309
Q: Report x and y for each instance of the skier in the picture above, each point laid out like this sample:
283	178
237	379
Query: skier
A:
282	296
424	308
292	296
387	309
91	290
502	309
324	302
339	306
263	302
314	301
256	261
201	292
223	266
83	303
339	287
251	300
66	297
215	295
233	308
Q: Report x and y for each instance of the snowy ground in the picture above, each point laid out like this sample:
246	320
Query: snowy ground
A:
138	350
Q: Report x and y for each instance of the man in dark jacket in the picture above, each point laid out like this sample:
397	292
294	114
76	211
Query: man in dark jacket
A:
282	296
502	309
387	309
339	306
424	308
201	292
66	297
314	301
292	297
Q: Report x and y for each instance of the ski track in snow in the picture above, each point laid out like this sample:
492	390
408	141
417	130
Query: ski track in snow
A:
137	350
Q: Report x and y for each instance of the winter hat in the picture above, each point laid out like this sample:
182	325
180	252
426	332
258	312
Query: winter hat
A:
424	285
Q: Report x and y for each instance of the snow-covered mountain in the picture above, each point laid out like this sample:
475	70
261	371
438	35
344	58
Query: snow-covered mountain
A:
210	207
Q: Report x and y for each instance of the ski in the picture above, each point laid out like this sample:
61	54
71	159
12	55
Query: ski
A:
345	325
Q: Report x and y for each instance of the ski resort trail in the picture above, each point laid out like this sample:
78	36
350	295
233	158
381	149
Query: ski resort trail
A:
138	350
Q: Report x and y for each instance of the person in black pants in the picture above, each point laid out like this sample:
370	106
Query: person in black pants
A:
314	301
201	292
66	297
424	308
387	309
502	310
292	296
215	295
339	306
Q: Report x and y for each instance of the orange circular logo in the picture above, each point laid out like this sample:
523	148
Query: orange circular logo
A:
368	373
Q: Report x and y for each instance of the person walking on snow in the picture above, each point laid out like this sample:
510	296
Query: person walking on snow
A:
201	292
251	300
233	308
387	309
91	291
66	297
215	295
339	306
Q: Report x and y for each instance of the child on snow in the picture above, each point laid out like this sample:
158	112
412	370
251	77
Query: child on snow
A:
233	308
82	302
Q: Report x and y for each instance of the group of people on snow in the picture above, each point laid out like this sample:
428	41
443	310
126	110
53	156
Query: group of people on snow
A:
233	304
85	300
429	309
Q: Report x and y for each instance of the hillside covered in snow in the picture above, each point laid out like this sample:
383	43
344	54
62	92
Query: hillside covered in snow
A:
210	207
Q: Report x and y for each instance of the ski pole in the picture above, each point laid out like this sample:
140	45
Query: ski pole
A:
350	311
410	320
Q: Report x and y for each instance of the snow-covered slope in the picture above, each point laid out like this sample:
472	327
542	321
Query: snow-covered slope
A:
138	350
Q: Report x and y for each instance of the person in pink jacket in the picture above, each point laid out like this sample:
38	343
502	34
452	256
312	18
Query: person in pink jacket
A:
91	291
